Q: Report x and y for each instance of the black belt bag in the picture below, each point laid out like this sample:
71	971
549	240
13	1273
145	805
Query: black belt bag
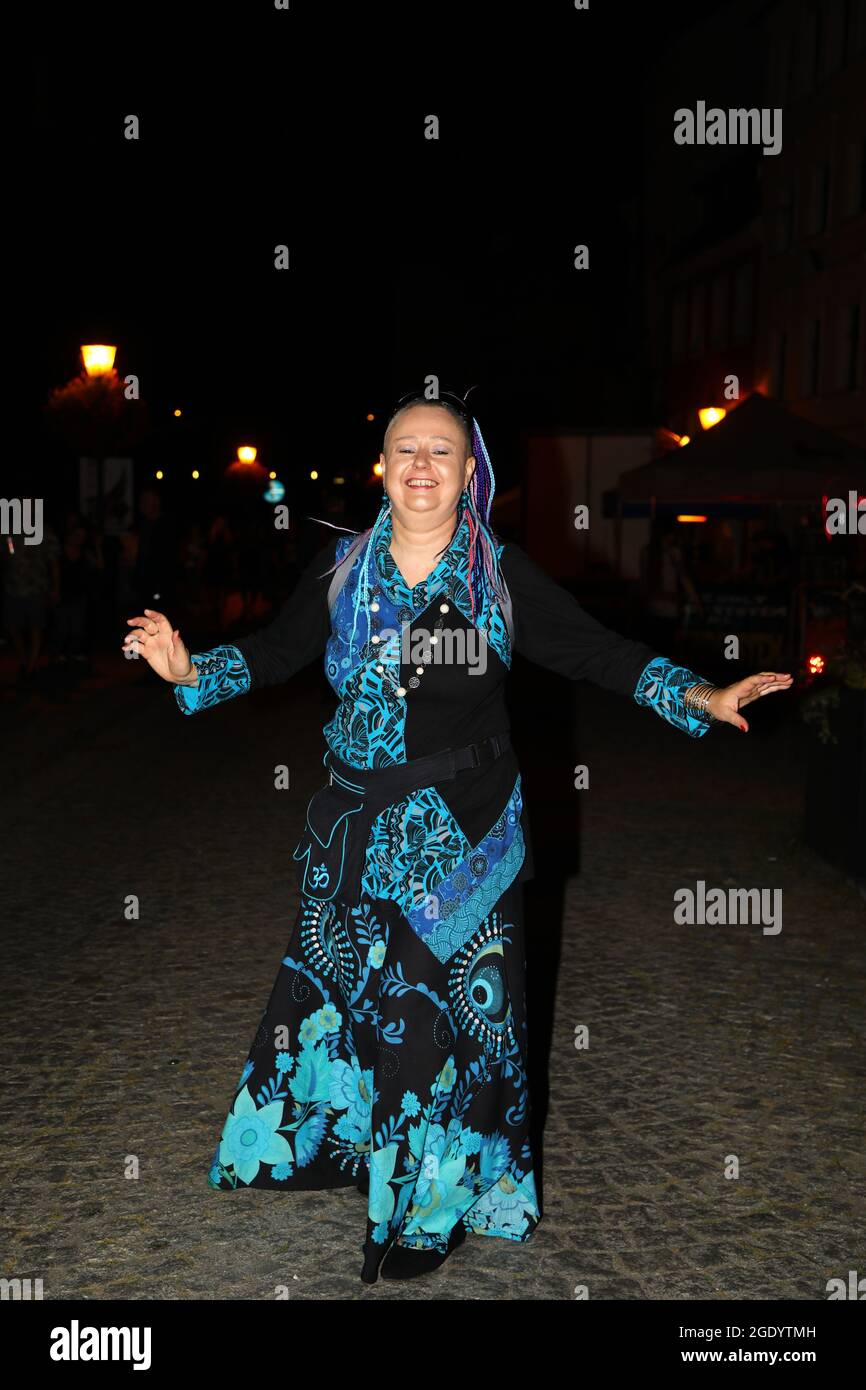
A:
332	849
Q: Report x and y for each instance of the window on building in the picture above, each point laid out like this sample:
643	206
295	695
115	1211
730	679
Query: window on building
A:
696	320
779	365
847	347
810	374
719	312
744	286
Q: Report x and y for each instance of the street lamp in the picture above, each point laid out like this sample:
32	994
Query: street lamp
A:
246	468
98	358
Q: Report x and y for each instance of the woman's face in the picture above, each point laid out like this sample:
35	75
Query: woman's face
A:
424	464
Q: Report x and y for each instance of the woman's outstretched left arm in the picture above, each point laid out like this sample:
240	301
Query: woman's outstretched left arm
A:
692	704
553	630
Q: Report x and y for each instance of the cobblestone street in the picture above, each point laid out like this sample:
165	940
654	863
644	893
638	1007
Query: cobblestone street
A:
123	1039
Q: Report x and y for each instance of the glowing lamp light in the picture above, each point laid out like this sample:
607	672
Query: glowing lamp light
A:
247	453
159	473
378	469
815	665
371	417
339	481
176	414
272	476
687	516
314	475
98	358
684	439
195	473
711	415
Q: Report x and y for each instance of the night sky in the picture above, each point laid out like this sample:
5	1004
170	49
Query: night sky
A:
408	256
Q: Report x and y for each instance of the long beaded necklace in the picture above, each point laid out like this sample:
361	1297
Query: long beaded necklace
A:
426	659
405	615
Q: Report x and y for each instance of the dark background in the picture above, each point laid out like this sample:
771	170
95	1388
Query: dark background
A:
408	256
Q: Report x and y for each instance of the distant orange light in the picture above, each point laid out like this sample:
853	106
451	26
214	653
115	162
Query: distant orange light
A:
378	469
687	516
371	417
684	439
313	474
247	453
158	473
711	415
195	473
272	475
815	665
177	412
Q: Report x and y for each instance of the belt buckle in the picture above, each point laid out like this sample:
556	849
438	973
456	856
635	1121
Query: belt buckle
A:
476	758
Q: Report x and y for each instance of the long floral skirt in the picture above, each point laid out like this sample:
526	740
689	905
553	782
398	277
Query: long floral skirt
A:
375	1058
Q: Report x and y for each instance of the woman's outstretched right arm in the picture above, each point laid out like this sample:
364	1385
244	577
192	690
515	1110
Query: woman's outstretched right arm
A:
297	635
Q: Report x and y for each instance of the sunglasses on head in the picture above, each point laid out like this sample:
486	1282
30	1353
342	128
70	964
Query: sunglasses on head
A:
451	397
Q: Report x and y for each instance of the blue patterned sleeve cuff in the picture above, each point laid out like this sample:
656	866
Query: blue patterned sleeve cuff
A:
662	686
222	674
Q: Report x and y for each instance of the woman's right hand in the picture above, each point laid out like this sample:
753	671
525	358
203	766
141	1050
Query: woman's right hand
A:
152	636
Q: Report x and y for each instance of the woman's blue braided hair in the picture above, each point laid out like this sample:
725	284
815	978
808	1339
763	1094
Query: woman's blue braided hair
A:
483	569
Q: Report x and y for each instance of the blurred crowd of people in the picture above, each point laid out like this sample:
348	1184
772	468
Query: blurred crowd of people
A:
76	588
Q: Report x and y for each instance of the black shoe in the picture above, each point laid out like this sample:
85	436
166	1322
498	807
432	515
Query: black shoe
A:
404	1262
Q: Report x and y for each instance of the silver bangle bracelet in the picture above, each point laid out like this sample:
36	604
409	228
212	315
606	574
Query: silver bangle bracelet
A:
696	699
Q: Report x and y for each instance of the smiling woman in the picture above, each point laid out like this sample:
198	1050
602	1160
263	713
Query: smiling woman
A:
392	1053
426	464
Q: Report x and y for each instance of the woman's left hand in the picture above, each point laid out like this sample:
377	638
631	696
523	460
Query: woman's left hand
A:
727	702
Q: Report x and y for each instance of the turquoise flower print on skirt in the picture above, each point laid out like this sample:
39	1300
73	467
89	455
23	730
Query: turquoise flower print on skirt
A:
374	1058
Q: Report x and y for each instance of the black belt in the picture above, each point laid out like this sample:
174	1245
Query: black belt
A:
333	846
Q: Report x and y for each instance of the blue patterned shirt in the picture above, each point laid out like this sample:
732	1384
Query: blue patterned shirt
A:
444	854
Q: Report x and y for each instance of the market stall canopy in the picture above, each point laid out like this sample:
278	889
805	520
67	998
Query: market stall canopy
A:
760	452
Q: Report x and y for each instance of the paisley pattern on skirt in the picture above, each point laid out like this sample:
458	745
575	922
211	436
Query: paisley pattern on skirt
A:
373	1056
